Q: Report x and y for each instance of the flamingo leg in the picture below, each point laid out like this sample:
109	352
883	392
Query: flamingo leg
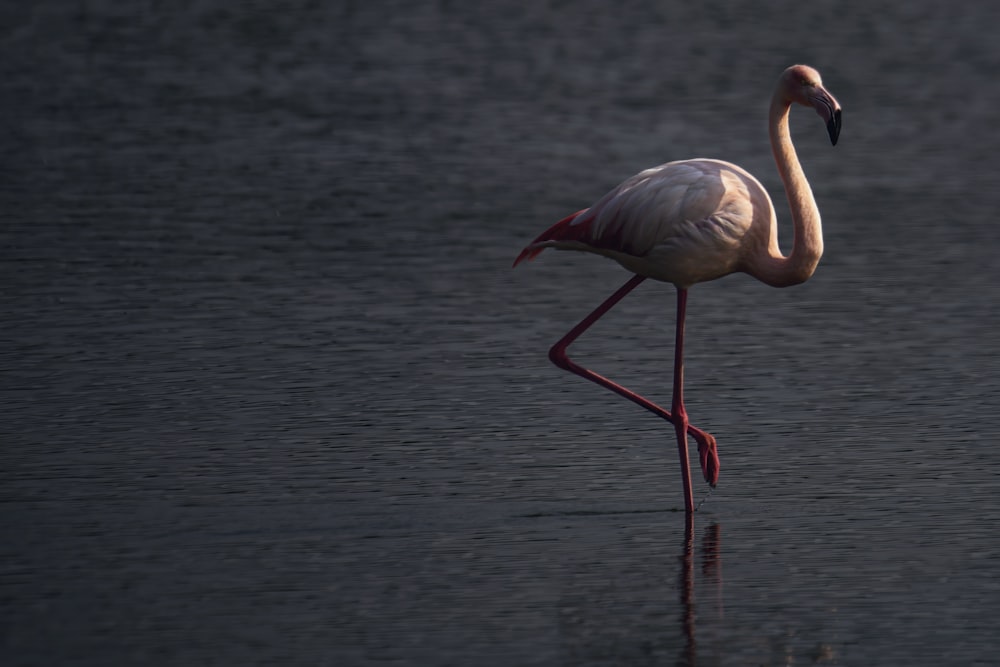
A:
707	448
680	419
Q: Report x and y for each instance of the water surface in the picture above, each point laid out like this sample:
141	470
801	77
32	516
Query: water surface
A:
272	393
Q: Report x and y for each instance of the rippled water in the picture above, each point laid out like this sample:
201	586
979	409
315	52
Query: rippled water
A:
272	393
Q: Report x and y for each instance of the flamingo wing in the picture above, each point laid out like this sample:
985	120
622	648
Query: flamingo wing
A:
681	222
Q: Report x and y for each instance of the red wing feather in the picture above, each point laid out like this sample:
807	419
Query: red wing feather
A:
561	231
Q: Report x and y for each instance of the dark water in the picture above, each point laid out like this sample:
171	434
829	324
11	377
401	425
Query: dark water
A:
272	394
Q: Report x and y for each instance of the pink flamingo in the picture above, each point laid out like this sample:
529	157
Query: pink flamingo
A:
692	221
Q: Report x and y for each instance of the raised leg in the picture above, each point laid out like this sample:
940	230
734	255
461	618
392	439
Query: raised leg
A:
707	448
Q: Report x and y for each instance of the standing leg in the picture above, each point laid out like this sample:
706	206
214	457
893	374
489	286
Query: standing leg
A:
677	405
706	443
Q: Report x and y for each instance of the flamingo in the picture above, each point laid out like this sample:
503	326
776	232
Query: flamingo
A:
692	221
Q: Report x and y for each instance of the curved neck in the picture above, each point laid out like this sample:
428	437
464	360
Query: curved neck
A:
807	246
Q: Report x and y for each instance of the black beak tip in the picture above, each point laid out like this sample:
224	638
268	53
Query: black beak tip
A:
833	127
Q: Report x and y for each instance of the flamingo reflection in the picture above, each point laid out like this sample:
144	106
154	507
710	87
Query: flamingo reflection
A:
711	569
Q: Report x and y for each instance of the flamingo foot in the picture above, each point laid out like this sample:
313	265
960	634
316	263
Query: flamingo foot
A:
708	454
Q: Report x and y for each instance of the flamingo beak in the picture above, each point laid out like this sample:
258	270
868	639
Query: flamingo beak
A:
833	126
829	110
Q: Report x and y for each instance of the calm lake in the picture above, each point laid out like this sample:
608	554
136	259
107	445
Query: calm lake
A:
272	394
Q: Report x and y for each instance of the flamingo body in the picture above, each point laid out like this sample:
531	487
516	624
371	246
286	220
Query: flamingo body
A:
682	222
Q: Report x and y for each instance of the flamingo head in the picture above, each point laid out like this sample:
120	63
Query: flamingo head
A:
802	84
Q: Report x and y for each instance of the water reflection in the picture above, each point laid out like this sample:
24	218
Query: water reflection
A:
711	569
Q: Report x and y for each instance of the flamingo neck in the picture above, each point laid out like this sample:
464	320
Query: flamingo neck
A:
807	247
